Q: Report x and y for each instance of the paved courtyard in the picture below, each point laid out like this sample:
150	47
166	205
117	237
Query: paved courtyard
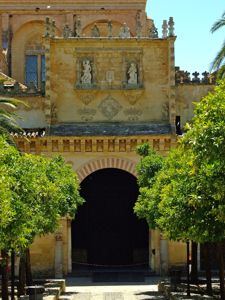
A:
85	289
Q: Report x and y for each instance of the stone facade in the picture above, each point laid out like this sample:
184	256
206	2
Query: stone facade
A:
110	85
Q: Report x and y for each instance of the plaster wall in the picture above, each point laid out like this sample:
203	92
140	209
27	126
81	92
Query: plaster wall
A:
186	95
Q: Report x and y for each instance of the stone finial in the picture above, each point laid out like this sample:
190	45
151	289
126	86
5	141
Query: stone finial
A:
95	31
77	27
164	29
109	28
205	78
124	31
153	31
195	78
171	26
138	25
67	32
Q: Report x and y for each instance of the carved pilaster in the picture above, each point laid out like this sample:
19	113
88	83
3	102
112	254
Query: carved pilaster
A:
171	72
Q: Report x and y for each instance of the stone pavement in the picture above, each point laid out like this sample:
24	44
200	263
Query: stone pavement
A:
85	289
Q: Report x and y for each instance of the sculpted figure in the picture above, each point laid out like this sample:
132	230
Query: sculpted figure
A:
132	74
86	77
67	32
95	31
124	31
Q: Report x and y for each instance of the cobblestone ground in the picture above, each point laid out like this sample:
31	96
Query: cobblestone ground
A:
84	289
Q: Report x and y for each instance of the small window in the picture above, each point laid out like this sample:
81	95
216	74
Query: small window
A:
35	70
32	69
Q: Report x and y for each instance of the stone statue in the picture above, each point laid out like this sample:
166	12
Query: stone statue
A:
132	74
86	77
138	25
124	31
67	32
153	32
95	31
77	29
109	28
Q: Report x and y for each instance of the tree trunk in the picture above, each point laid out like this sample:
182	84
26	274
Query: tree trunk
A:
12	275
29	279
22	275
194	262
5	275
188	275
221	269
208	269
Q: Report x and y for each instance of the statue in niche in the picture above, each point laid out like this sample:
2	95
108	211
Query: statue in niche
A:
132	74
86	77
124	32
95	31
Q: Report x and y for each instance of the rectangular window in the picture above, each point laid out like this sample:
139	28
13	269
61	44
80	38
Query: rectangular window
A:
32	69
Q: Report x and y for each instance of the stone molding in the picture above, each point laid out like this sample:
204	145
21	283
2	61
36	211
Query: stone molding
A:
109	162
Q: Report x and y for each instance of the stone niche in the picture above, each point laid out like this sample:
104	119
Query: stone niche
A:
109	69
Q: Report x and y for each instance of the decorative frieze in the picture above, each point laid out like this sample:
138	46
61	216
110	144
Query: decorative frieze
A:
92	144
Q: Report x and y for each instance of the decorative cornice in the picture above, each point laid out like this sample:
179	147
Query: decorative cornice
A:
94	144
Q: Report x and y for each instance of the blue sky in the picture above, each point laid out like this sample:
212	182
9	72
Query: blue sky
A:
195	46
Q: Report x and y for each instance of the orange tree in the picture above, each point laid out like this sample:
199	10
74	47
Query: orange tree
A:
38	191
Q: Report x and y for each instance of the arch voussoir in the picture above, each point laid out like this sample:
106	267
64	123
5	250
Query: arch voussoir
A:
109	162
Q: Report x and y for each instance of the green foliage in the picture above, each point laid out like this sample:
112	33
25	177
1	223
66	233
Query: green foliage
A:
8	117
149	165
185	198
37	191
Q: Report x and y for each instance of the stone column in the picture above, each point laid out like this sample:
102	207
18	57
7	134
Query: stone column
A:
69	237
58	255
163	256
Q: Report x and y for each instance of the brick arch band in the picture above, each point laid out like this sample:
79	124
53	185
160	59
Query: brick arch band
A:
98	164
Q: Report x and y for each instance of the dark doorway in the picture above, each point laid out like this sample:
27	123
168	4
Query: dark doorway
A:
106	231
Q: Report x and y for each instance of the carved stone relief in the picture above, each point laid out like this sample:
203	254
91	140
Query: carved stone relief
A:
110	107
86	97
133	113
133	96
86	114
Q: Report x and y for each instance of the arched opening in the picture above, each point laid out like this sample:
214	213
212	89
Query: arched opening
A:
106	231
